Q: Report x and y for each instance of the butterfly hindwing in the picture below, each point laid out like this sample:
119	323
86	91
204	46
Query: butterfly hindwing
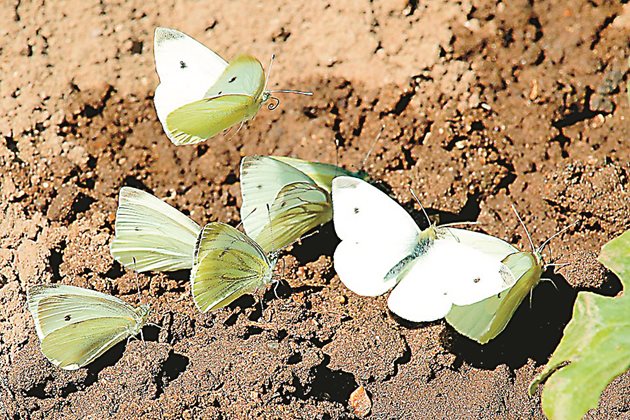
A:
198	121
298	208
80	343
151	235
227	265
448	273
262	178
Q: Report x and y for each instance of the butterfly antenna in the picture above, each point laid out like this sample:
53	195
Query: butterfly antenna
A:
297	92
135	270
273	57
421	206
544	244
529	237
367	156
273	237
245	218
276	103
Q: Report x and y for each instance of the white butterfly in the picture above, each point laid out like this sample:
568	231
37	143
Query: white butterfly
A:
382	246
76	325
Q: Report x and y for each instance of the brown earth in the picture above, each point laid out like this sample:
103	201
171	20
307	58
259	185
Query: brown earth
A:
484	104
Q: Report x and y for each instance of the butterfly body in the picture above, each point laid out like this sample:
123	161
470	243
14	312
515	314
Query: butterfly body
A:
75	325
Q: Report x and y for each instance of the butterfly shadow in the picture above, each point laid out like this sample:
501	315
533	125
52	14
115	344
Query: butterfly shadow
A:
532	333
113	355
312	247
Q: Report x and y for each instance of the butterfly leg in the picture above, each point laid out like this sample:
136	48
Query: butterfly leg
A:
550	281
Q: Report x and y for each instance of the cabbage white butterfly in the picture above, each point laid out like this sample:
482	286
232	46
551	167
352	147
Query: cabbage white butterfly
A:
76	325
200	94
227	264
151	235
382	247
483	321
284	198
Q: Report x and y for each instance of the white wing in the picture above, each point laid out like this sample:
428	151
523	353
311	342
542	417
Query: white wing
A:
262	178
154	234
376	235
187	69
487	244
448	273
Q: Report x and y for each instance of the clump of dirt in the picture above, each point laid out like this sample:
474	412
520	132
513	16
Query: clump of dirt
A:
484	104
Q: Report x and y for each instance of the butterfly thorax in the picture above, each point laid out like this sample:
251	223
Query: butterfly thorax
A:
525	267
424	241
142	315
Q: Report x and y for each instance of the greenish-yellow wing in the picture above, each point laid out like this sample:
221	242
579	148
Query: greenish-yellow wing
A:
227	265
151	235
321	173
298	208
262	178
243	76
55	306
78	344
76	325
198	121
483	321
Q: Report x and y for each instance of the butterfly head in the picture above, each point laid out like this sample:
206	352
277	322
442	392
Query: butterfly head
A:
143	312
537	252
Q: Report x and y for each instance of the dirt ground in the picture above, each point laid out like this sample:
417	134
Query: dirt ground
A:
484	104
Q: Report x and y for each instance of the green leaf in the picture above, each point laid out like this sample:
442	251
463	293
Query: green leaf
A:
595	348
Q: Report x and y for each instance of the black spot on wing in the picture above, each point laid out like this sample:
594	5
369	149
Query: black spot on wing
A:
476	280
182	65
356	210
232	79
67	318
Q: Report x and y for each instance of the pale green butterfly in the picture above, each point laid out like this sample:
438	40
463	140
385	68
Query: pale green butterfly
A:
200	94
483	321
284	198
76	325
152	235
227	265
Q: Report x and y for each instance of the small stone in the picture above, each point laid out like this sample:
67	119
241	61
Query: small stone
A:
360	402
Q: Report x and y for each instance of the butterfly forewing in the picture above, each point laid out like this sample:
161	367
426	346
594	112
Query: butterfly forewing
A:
227	265
151	235
483	321
298	208
187	69
243	76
